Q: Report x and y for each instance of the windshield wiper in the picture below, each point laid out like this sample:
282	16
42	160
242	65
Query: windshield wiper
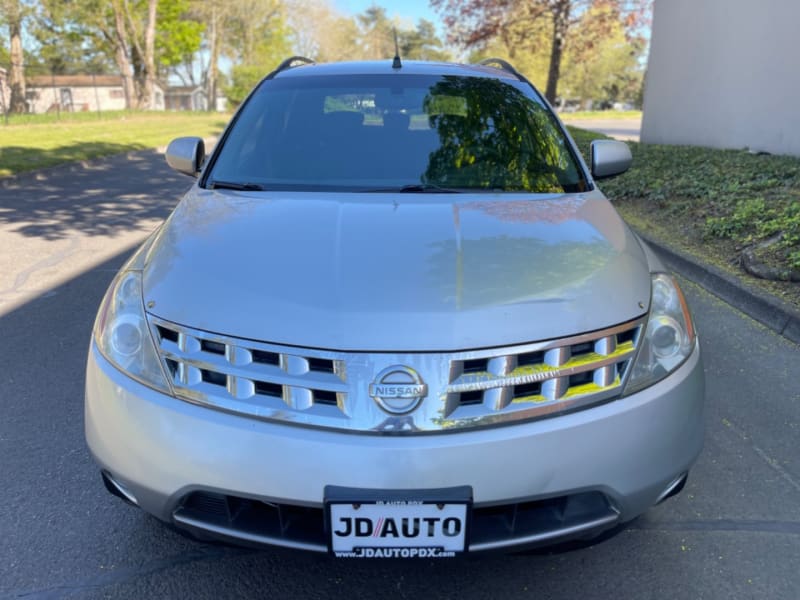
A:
233	185
417	188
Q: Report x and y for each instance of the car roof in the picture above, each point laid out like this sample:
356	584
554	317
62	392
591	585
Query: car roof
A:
380	67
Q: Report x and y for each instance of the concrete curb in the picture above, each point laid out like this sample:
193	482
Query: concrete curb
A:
764	308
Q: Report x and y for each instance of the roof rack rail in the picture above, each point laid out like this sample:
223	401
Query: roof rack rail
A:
499	63
289	63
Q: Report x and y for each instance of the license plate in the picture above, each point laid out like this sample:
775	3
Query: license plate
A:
397	524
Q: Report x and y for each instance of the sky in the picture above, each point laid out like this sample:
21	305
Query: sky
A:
413	10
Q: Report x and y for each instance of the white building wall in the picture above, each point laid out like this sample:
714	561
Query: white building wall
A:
725	74
86	98
5	91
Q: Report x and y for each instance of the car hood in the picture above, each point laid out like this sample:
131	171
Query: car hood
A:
395	272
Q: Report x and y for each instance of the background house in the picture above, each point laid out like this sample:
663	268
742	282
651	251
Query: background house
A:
724	73
191	97
74	93
185	97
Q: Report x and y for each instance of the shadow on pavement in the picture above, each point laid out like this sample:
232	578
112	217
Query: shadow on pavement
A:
92	198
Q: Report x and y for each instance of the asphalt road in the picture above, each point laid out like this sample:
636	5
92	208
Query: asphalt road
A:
734	532
621	129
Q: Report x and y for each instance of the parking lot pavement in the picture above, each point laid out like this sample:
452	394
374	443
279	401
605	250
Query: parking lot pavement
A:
734	532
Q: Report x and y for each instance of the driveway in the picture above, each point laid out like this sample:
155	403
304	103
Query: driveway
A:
734	532
621	129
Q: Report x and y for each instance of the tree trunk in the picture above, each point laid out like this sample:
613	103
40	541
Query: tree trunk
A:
142	51
148	93
560	10
121	57
16	79
213	64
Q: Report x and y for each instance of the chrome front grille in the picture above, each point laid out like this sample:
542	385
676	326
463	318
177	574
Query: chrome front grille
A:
248	377
572	370
329	389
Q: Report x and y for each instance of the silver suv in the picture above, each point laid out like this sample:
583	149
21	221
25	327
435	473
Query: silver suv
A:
394	316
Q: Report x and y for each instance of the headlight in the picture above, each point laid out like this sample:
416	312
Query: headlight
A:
668	339
122	334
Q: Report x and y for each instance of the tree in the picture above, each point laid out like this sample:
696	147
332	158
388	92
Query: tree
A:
377	38
257	39
205	23
135	25
421	43
141	37
179	35
13	15
215	18
475	23
251	26
602	61
64	45
320	32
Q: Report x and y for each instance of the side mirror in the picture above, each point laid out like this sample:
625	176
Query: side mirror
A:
186	155
609	158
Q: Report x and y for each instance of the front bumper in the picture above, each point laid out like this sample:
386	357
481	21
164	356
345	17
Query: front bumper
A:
162	451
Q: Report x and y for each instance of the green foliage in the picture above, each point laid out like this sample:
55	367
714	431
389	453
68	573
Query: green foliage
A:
68	40
421	43
75	37
243	79
746	215
722	194
177	36
755	219
271	45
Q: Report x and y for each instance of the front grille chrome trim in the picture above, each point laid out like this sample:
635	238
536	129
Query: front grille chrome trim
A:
330	389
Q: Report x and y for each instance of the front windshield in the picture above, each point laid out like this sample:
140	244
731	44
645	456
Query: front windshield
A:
396	132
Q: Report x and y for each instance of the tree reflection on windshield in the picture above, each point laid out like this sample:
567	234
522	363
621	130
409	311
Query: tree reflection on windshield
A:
502	140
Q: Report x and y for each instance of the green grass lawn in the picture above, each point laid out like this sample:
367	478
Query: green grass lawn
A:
729	207
31	142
